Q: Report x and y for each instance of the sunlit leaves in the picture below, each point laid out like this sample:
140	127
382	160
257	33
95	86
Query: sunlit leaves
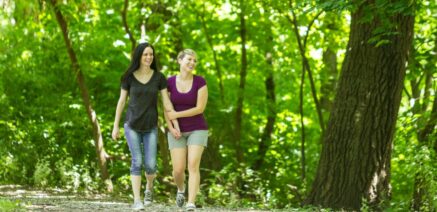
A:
40	104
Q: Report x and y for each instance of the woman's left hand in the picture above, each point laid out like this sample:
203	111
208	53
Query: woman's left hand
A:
172	115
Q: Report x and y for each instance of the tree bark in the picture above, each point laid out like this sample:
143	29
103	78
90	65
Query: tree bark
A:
355	159
126	26
243	73
163	150
266	137
302	125
329	80
92	116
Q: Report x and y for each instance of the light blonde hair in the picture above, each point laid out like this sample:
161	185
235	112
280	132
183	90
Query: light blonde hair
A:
184	52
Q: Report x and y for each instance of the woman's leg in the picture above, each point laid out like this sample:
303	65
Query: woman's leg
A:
150	141
134	139
178	153
197	141
136	186
194	157
178	159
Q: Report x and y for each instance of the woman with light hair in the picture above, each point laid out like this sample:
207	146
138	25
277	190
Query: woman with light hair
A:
189	95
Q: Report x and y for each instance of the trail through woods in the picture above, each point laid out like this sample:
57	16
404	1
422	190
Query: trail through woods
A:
30	199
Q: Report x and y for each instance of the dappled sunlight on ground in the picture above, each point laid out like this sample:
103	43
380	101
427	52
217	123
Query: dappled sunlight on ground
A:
31	199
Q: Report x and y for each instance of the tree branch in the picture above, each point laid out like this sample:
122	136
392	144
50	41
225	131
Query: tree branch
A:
214	54
126	26
294	23
92	116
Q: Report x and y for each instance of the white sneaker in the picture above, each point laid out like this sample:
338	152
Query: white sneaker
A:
190	207
137	206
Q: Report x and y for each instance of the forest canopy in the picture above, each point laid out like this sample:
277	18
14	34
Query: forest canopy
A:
305	97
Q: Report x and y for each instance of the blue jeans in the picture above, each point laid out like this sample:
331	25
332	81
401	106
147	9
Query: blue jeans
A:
140	143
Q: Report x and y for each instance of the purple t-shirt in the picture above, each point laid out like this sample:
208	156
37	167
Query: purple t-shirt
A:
185	101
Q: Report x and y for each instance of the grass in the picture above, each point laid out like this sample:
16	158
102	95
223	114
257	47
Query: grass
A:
8	205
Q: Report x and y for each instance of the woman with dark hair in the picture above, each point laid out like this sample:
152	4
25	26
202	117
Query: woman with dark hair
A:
141	82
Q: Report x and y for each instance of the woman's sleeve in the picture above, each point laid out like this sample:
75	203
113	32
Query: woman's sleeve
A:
162	82
125	85
200	82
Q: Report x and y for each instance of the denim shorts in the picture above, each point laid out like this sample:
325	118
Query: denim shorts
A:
196	137
142	145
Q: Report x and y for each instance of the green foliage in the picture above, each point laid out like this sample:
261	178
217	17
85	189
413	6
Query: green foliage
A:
412	159
222	190
8	205
332	5
382	10
426	170
46	138
42	175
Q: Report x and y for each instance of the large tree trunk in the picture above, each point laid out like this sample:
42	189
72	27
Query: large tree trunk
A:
92	116
355	159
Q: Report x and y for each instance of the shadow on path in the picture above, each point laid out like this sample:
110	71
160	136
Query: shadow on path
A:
60	200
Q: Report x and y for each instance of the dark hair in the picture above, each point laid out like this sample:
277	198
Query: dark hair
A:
136	60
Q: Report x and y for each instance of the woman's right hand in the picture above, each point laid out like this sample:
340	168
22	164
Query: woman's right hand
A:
115	133
176	133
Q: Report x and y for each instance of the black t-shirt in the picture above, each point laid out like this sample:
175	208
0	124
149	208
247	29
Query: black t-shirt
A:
142	112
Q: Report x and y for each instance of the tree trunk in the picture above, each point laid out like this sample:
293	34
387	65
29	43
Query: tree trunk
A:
243	73
163	150
420	184
329	79
266	137
421	190
214	55
126	26
212	159
329	73
306	66
92	116
355	159
302	125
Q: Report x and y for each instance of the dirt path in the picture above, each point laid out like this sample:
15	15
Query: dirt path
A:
60	200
